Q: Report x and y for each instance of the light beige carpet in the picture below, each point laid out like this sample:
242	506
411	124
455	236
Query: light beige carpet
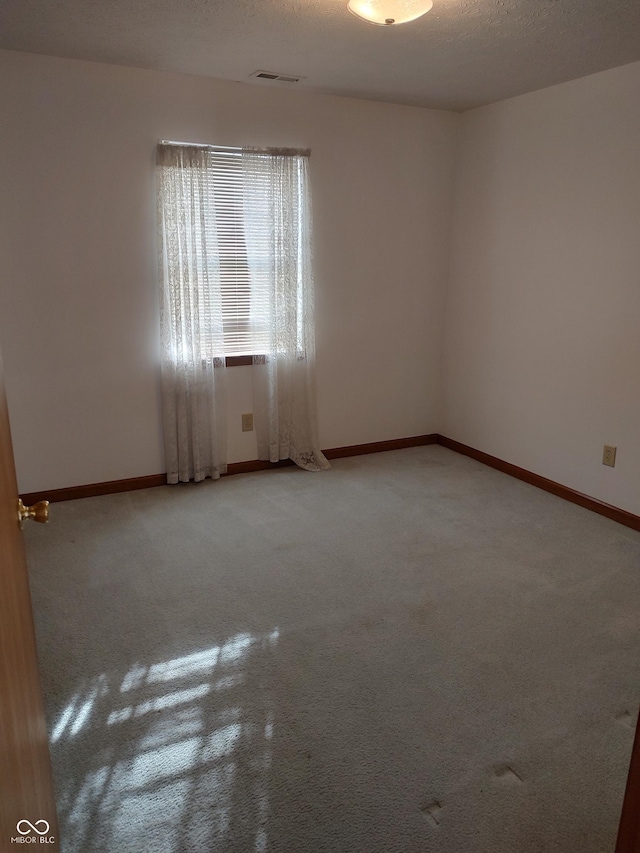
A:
409	652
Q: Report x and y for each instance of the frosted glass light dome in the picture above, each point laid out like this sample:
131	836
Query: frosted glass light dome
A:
385	13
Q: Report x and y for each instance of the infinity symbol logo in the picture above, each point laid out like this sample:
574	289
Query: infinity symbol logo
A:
32	827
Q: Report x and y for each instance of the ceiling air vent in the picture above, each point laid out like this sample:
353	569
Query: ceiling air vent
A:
276	78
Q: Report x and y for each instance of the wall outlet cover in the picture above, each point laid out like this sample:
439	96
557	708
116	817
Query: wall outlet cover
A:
609	456
247	422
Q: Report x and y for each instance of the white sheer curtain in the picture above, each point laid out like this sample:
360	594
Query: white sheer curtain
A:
277	210
193	363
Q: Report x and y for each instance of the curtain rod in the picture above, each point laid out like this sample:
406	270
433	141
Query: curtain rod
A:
300	152
199	145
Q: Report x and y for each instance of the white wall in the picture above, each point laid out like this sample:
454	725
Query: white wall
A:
542	340
78	303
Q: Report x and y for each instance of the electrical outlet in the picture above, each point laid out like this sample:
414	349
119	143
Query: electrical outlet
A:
247	422
609	456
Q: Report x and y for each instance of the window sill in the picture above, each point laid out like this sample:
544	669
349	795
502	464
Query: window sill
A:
238	360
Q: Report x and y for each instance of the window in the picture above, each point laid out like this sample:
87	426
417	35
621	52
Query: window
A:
247	230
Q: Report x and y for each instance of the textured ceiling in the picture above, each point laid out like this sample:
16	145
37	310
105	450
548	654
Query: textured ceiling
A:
462	54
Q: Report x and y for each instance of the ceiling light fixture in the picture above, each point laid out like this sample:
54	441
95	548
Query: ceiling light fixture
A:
386	13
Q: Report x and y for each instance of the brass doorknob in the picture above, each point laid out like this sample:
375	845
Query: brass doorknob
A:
37	512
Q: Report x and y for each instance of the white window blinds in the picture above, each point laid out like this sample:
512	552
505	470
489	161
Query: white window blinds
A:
244	292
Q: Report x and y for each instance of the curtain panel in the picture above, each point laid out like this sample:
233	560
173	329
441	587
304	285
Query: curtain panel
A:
192	363
278	224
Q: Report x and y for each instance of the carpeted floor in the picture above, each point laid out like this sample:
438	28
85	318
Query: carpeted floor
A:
409	652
